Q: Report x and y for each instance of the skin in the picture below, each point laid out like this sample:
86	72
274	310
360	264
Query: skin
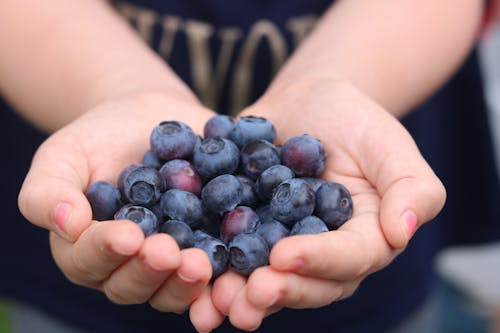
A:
364	65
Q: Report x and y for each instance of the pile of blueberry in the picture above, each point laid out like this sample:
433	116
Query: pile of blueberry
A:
232	193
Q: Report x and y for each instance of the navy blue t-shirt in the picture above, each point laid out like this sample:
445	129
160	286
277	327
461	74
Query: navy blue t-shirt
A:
250	39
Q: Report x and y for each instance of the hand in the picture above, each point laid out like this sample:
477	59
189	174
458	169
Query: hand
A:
394	192
114	256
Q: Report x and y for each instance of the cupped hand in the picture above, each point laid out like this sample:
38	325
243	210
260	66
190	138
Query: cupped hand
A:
114	256
394	192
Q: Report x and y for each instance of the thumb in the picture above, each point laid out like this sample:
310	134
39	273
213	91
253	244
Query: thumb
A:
52	195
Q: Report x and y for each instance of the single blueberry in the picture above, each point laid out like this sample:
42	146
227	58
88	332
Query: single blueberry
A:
248	252
182	205
142	216
216	156
172	140
264	213
305	155
180	231
333	204
181	175
219	125
249	196
308	225
272	232
104	199
314	182
250	128
257	156
270	178
239	220
142	185
222	194
292	200
216	250
150	159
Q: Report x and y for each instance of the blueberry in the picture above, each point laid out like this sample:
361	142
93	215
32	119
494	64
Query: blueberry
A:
239	220
210	222
308	225
142	185
181	175
257	156
249	196
333	204
305	155
270	178
264	213
216	250
219	125
216	156
222	194
104	199
172	140
180	231
124	174
150	159
250	128
314	182
247	252
182	205
144	218
272	232
292	200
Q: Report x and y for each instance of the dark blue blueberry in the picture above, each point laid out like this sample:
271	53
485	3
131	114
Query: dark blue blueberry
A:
124	174
181	175
180	231
242	219
216	156
270	178
248	252
172	140
219	125
308	225
264	213
249	196
250	128
314	182
142	185
333	204
305	155
222	194
257	156
144	218
292	200
210	222
216	250
182	205
272	232
150	159
104	199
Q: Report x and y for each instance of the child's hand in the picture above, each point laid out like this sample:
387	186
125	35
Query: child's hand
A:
113	256
394	192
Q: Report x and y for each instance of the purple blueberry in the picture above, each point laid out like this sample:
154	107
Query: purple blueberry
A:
308	225
216	156
216	250
142	216
305	155
248	252
141	185
292	200
257	156
182	205
333	204
250	128
270	178
172	140
104	199
272	232
249	196
222	194
219	125
180	231
181	175
239	220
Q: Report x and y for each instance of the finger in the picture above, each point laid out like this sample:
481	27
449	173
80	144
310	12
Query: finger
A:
203	314
102	248
356	249
52	193
136	281
186	284
243	314
225	289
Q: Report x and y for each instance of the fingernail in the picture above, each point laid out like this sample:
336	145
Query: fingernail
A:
187	279
409	222
61	217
